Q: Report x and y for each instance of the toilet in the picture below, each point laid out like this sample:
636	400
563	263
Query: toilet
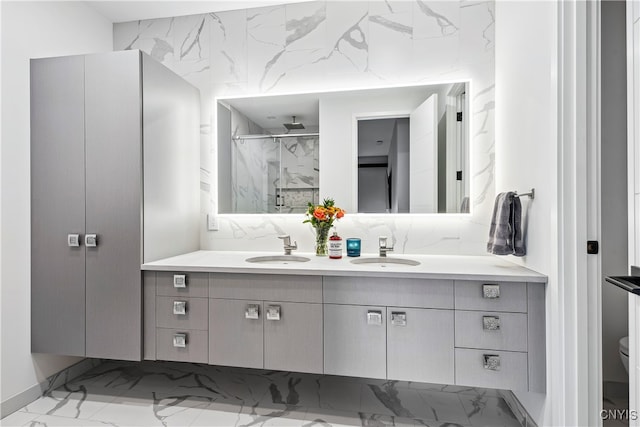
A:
624	352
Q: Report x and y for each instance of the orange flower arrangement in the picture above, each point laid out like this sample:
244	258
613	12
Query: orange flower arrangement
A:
321	218
324	214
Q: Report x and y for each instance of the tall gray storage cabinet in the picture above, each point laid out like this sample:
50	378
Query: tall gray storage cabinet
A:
114	183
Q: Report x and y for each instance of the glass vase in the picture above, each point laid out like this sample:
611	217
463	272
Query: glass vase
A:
322	234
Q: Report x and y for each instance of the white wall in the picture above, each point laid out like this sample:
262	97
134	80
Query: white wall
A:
30	29
526	140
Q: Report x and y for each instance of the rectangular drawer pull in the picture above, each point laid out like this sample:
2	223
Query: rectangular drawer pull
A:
491	362
374	317
252	311
180	308
180	340
273	312
399	318
491	291
491	323
73	240
91	240
179	280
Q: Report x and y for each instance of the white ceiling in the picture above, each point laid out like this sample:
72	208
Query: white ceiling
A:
125	11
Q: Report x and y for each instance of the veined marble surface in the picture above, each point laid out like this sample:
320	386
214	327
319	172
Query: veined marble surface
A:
181	394
327	45
454	267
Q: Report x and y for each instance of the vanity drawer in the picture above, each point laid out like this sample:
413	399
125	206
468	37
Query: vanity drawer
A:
491	296
169	309
491	330
196	345
193	285
415	293
266	287
491	369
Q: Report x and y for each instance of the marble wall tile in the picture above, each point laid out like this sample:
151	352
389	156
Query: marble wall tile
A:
347	39
384	7
305	25
192	37
390	45
152	36
266	41
229	46
477	31
436	18
325	45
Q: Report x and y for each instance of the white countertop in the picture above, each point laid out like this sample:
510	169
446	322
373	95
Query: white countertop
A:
456	267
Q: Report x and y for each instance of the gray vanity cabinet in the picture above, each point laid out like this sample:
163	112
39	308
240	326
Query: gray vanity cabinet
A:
266	321
236	333
108	192
420	345
355	340
364	334
293	339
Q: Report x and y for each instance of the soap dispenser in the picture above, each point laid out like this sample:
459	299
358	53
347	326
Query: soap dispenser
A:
335	246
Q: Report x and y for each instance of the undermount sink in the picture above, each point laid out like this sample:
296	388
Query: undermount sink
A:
277	259
385	260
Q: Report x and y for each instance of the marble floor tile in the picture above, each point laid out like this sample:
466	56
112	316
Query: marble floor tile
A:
18	418
181	394
56	421
488	411
71	403
340	395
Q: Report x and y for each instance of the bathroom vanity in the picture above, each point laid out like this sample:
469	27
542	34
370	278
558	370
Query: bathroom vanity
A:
465	320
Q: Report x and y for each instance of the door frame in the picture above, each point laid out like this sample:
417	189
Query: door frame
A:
576	363
400	114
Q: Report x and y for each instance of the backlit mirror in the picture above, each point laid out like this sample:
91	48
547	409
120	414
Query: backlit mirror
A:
385	150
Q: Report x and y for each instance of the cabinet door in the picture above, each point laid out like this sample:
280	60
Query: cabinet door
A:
355	341
293	337
114	205
420	345
235	337
57	206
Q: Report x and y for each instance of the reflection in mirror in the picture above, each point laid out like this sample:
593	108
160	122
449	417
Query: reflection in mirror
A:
263	169
411	145
416	162
274	174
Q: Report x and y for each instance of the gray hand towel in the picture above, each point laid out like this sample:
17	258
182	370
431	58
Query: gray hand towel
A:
505	233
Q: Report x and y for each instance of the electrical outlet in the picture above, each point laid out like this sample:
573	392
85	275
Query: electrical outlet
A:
212	222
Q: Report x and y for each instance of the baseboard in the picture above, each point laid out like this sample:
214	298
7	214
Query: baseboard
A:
24	398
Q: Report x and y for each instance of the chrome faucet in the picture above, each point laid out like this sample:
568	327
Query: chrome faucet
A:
288	247
382	246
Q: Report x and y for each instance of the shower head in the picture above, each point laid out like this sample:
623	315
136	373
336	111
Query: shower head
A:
293	125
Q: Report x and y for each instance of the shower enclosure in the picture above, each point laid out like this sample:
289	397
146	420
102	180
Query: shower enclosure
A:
274	173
